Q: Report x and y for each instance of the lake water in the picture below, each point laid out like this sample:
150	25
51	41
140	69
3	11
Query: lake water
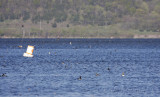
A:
58	64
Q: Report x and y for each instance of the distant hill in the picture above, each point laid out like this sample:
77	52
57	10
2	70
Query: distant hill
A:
142	15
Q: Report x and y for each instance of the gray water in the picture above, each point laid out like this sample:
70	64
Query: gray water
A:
57	65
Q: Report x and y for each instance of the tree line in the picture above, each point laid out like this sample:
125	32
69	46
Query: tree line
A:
131	14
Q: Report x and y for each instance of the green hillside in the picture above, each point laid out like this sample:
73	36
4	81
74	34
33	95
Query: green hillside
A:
80	18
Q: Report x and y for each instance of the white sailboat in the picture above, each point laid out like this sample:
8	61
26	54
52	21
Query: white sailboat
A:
29	52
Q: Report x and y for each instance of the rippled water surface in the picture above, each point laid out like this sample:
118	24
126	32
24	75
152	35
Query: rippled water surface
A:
80	67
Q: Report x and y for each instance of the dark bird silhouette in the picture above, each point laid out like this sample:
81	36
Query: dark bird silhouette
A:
80	78
97	74
4	75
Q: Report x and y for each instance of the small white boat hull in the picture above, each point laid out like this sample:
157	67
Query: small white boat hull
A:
27	55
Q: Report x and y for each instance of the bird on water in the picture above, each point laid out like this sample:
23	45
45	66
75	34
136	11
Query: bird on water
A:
80	78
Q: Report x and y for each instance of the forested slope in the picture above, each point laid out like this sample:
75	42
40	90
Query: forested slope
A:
142	15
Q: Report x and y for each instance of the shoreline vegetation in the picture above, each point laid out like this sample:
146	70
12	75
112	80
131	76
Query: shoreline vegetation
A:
115	37
131	36
12	29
